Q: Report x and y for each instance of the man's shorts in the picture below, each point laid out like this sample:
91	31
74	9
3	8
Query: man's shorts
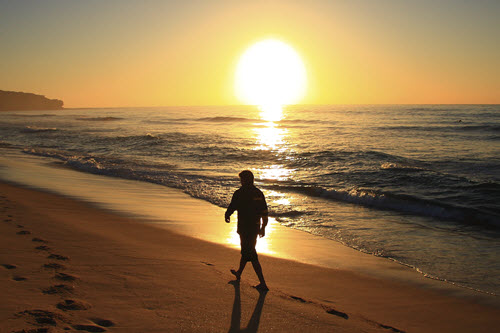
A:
248	242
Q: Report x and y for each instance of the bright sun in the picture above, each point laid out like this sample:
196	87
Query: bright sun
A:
270	74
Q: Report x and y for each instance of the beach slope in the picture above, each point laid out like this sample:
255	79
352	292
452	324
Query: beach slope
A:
68	266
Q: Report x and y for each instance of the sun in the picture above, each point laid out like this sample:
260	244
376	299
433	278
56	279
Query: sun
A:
270	74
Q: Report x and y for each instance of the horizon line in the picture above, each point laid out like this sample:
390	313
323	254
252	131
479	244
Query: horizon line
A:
250	105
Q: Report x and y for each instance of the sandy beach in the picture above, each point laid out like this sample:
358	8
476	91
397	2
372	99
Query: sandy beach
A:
68	266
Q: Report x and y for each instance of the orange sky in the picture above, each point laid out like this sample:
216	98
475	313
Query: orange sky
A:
155	53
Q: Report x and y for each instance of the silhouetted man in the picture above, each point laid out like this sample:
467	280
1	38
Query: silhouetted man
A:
251	205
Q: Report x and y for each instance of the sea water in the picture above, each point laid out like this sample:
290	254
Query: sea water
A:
417	184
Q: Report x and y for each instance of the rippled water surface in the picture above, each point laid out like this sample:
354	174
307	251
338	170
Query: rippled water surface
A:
419	184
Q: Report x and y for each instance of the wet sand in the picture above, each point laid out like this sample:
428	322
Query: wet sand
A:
68	266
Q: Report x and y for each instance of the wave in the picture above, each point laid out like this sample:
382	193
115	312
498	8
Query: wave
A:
486	186
400	167
456	127
399	203
491	128
33	115
223	119
123	141
435	108
169	121
413	128
352	156
285	214
147	136
4	144
227	119
205	187
334	162
35	129
421	109
99	118
305	121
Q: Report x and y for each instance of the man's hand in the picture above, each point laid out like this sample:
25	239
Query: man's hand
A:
262	231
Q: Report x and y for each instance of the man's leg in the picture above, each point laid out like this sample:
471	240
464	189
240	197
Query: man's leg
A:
244	243
237	273
258	270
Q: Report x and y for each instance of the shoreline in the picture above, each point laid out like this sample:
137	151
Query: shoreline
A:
151	202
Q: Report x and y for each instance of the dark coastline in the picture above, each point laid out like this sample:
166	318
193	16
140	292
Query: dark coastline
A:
21	101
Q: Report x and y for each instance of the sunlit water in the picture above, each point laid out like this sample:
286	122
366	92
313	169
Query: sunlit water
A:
417	184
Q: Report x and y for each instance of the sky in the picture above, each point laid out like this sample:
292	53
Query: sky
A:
117	53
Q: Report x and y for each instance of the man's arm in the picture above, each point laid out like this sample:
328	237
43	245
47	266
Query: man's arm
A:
264	215
230	210
262	231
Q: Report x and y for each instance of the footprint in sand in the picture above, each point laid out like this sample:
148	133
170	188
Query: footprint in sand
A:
89	328
328	310
9	266
336	313
43	317
40	240
393	329
58	289
65	277
34	330
54	265
72	305
19	278
24	232
207	263
57	257
101	323
20	226
43	248
297	298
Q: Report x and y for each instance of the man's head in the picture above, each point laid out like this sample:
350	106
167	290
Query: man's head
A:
246	177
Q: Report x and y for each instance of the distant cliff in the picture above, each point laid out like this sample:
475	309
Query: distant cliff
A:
15	101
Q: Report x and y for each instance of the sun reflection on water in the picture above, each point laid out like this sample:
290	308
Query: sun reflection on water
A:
275	172
271	112
270	136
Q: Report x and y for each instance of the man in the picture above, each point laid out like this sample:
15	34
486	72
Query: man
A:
251	205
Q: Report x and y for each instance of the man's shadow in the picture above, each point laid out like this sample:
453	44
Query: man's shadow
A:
253	324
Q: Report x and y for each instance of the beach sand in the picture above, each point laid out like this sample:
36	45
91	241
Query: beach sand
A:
67	266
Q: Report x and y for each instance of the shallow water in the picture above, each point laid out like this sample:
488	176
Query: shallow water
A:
418	184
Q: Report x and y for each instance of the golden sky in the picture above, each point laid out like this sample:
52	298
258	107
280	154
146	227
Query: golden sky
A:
158	53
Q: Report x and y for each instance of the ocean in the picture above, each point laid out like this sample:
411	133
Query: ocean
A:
416	184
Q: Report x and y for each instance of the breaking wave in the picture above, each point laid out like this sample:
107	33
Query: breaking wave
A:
401	203
35	129
166	175
228	119
99	118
